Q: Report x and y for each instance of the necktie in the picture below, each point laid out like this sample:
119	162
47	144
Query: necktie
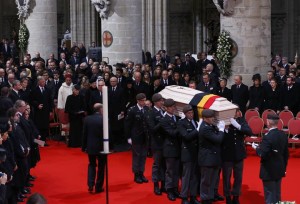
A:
55	82
119	80
289	88
113	89
193	123
137	84
42	89
174	118
166	83
206	85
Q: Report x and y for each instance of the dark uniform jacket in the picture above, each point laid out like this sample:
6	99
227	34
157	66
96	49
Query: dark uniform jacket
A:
189	137
153	122
233	146
210	139
171	148
274	154
92	141
135	125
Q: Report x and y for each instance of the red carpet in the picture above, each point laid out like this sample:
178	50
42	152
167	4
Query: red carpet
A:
62	179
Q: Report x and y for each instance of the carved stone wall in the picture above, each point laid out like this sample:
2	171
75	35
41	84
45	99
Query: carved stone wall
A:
250	27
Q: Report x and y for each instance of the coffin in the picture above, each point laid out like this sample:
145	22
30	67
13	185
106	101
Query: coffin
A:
224	110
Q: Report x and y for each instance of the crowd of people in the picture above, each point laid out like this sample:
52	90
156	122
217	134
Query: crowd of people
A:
33	88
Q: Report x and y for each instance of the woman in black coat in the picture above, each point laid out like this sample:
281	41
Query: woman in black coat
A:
75	108
256	94
273	97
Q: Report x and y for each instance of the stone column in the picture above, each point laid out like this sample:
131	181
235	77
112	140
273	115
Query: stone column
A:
250	28
82	22
125	24
42	25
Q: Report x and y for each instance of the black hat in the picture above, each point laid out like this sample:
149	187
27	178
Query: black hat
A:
156	97
129	81
4	127
140	96
2	154
92	80
120	65
77	87
187	108
272	117
169	102
208	113
256	77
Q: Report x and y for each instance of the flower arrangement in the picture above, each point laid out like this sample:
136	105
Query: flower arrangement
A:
23	38
224	54
286	202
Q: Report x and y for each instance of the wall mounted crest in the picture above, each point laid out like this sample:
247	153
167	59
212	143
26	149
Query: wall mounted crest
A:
102	7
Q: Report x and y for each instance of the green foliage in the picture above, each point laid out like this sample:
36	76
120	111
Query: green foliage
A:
224	54
23	38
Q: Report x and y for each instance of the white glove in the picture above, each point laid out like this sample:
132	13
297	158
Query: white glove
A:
235	123
254	145
129	141
221	125
199	124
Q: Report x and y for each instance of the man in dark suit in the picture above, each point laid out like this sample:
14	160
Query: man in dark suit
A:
171	149
281	78
274	154
14	94
240	93
189	66
166	80
49	84
188	132
116	110
42	104
120	78
290	96
233	155
6	51
209	154
92	144
135	131
266	84
153	121
96	95
74	60
206	85
140	86
57	83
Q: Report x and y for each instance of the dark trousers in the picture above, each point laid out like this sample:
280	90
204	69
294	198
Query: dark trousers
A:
139	155
209	176
44	133
237	169
101	158
189	179
158	166
272	191
172	173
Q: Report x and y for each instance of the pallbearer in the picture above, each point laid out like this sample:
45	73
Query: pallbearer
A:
189	148
209	154
153	121
171	149
135	130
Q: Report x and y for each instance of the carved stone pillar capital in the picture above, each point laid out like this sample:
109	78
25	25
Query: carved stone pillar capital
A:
102	7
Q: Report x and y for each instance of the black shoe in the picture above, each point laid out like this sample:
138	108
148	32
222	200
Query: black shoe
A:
156	189
143	178
19	200
22	196
27	189
185	201
235	200
46	145
24	191
32	177
97	190
176	193
171	196
193	200
162	188
228	200
137	178
29	184
91	188
218	197
149	154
